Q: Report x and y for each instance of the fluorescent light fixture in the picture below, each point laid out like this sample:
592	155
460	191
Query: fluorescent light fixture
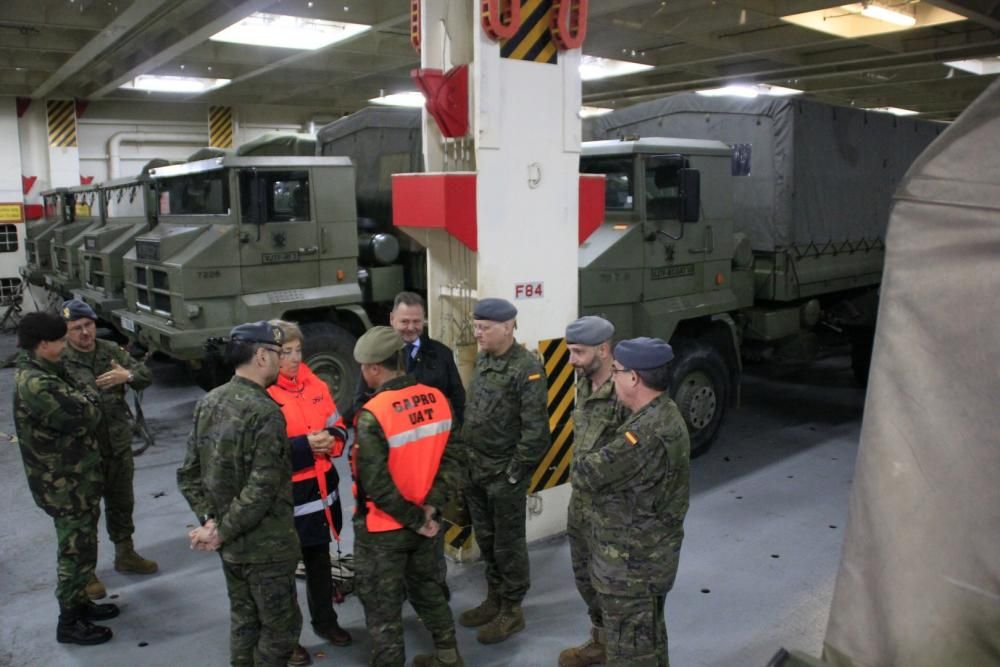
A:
894	110
749	90
895	16
587	112
595	67
978	66
288	32
174	84
410	98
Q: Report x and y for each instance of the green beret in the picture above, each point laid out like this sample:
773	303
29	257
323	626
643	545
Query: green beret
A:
377	345
257	332
497	310
643	353
589	330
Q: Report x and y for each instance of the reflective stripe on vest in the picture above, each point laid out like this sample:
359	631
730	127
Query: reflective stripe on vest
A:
314	506
416	421
318	472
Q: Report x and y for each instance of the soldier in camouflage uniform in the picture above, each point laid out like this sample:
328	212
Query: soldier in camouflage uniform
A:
638	479
506	433
55	421
107	369
236	478
403	462
596	416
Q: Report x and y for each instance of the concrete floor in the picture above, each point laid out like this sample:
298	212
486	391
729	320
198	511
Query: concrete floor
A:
762	544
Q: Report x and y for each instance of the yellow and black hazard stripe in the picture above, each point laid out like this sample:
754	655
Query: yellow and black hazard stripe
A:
533	40
554	467
457	539
220	127
62	123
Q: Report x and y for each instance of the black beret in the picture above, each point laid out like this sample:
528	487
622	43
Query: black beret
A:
37	327
643	353
74	309
497	310
377	344
589	330
257	332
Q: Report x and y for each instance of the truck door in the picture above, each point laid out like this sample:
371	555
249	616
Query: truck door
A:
673	266
279	248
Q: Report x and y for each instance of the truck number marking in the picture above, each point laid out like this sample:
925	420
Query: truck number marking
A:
279	257
532	290
210	274
665	272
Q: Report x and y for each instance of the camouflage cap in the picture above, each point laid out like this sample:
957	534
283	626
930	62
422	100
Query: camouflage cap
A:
497	310
75	309
377	345
257	332
589	330
643	353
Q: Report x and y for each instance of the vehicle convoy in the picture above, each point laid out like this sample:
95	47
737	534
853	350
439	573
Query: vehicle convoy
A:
754	235
59	210
256	234
127	210
67	239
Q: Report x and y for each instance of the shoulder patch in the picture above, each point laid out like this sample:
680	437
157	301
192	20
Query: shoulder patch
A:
534	376
632	439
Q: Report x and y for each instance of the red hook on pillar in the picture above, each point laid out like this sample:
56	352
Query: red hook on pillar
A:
569	23
501	23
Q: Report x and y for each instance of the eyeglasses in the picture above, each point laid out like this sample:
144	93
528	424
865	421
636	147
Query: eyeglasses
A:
620	370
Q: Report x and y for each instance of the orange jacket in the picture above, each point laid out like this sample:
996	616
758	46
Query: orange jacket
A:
416	444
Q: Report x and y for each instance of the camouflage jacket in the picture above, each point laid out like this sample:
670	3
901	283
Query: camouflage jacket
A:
506	418
115	430
55	424
370	461
596	415
238	469
639	481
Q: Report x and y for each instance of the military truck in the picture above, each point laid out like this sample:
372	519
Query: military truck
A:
68	237
127	210
59	209
251	235
755	236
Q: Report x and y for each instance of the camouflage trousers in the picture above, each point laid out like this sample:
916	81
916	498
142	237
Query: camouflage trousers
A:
264	615
76	538
119	496
389	568
578	530
635	631
499	511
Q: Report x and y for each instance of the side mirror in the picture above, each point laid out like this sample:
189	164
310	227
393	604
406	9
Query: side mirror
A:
690	195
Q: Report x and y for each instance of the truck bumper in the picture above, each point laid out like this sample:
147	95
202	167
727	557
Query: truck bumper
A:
155	334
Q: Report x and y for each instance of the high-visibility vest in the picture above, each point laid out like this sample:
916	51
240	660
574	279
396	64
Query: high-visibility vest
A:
416	421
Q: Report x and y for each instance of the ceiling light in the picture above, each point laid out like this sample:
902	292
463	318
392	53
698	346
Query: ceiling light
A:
595	67
174	84
893	110
587	112
978	66
896	16
749	90
288	32
408	99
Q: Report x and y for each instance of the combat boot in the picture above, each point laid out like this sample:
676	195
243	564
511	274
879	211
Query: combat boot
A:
98	612
95	589
127	560
509	621
592	652
483	614
300	657
442	657
74	628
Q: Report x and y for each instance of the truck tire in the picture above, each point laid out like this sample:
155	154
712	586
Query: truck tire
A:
700	386
329	351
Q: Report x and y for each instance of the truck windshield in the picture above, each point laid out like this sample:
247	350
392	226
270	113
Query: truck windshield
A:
51	206
619	192
195	194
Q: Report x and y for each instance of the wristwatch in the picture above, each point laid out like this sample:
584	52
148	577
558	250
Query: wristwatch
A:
205	518
131	376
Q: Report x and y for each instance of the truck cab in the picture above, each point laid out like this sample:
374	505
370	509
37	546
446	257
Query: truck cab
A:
59	209
67	240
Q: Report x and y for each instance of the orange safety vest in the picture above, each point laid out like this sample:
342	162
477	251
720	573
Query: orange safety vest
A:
307	406
416	421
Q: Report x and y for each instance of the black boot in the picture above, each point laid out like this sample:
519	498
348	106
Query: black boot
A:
74	628
98	612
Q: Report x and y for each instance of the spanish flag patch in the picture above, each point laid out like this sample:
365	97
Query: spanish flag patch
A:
535	376
632	440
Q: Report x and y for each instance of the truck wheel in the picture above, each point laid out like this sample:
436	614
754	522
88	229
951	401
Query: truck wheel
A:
329	351
700	386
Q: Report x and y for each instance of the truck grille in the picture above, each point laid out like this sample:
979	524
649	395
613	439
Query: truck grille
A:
62	260
152	295
95	272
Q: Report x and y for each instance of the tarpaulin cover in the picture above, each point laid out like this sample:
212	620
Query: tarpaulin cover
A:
381	142
818	173
919	579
